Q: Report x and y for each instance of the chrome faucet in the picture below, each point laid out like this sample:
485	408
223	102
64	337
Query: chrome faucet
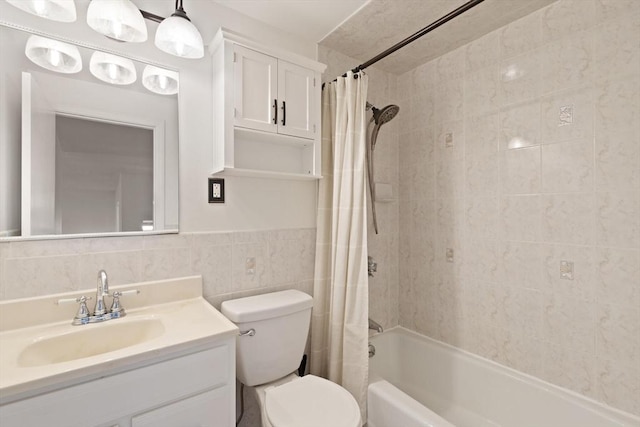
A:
100	312
101	292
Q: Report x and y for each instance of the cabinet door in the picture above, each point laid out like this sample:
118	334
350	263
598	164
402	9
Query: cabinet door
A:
296	98
209	409
255	89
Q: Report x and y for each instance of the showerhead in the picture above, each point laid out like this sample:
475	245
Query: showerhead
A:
385	114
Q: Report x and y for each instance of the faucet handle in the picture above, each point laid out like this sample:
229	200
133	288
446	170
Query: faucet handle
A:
82	316
116	309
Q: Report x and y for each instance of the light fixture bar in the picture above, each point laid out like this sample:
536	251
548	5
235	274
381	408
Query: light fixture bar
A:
151	17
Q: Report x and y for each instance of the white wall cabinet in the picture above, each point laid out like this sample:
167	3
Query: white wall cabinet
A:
266	110
196	389
273	95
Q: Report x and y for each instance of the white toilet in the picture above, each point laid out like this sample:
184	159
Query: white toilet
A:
273	335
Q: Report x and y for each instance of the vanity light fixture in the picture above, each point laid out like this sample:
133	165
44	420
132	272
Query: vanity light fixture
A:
56	10
177	36
53	55
117	19
160	80
112	68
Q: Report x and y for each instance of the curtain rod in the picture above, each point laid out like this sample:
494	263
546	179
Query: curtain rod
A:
448	17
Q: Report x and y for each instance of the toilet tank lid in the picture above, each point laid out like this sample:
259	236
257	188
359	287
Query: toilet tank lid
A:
266	306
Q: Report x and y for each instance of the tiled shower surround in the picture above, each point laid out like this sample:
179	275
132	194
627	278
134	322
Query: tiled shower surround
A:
519	151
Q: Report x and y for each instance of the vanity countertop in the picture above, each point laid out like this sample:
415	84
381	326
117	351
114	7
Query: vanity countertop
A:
40	350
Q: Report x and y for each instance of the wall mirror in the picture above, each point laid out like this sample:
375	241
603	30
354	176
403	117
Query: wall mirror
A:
89	151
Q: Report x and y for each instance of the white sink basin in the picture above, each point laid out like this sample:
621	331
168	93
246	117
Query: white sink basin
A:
41	350
90	340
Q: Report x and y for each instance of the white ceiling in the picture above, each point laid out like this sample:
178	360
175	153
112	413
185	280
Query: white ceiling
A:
309	19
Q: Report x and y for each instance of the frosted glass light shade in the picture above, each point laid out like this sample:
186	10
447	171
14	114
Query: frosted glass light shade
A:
56	10
53	55
160	80
112	69
117	19
177	36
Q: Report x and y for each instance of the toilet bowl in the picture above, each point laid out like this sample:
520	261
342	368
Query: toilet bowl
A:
273	333
308	401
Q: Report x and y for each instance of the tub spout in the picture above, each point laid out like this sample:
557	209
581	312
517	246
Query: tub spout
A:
375	326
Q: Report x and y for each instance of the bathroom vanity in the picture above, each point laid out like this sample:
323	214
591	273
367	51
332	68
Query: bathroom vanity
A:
170	362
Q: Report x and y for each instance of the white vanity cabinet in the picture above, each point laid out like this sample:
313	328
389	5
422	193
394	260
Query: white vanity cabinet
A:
170	362
194	389
266	110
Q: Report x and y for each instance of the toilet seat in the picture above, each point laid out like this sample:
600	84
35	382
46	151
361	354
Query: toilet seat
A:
311	401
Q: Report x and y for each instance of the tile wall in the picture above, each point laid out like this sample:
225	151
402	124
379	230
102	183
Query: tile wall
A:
519	151
383	247
283	259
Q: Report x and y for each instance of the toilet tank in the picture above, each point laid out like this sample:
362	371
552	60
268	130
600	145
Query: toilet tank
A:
281	324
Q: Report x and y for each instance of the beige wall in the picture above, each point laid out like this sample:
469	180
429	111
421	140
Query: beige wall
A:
515	192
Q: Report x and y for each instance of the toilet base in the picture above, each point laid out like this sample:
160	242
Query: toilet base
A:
260	395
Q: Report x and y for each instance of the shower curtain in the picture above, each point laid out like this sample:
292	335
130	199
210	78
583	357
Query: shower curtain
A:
339	334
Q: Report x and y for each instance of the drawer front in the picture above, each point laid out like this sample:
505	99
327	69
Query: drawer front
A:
96	402
208	409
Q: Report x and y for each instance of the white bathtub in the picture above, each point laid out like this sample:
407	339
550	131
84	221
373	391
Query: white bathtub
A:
464	390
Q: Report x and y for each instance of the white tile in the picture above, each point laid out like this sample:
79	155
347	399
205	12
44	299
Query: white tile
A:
569	368
618	334
609	9
482	91
567	167
482	175
555	126
520	218
158	264
568	324
568	218
29	277
481	216
520	77
618	219
566	17
522	35
581	286
520	125
618	276
483	52
449	101
520	171
619	385
214	264
617	49
568	62
522	264
121	267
